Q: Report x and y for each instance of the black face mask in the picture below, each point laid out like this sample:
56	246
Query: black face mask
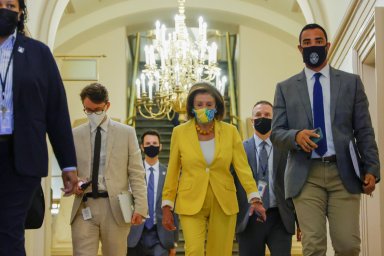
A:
8	21
262	125
151	151
314	56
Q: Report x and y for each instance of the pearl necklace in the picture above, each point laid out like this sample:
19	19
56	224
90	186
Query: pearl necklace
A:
204	132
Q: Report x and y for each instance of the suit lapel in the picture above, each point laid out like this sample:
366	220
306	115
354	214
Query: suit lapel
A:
250	148
160	182
18	64
304	96
194	138
217	139
275	162
335	88
86	147
110	141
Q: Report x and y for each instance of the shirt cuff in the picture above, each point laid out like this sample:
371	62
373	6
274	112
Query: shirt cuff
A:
167	203
253	195
69	169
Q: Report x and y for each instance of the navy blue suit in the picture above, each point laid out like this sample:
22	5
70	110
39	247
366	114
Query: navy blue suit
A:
139	237
40	108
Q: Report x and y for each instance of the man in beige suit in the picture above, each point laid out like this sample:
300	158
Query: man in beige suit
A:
109	161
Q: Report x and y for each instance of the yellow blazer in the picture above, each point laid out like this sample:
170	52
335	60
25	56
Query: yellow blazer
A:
187	162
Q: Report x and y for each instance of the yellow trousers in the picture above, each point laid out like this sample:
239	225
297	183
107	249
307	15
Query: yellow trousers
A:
211	223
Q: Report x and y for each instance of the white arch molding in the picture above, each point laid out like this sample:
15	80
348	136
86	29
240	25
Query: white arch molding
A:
126	12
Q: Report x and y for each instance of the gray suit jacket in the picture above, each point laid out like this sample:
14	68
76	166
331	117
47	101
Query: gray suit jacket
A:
123	167
286	208
350	119
166	238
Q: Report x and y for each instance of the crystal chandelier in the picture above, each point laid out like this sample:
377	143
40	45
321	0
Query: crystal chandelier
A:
173	63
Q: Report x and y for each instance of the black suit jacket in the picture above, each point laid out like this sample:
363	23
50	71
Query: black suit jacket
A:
166	238
286	208
40	108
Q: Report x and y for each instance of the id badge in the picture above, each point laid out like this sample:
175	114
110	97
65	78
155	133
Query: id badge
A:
262	187
87	215
6	123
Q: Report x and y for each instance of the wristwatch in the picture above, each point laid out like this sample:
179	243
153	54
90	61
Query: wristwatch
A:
256	200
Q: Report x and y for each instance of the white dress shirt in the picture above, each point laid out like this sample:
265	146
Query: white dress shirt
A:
269	148
156	173
103	151
325	81
5	54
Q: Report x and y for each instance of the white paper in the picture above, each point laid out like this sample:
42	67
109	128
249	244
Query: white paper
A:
87	215
355	159
126	205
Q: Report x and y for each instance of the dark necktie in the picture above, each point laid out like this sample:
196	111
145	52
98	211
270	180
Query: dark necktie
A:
318	115
96	162
151	199
263	172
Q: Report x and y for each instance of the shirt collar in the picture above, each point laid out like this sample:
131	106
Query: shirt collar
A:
258	141
103	126
155	166
324	72
10	41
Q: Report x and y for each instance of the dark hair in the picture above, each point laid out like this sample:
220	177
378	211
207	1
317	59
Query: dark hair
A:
150	132
313	26
263	102
96	92
23	17
205	87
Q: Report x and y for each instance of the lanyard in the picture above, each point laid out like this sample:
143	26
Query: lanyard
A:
263	168
4	82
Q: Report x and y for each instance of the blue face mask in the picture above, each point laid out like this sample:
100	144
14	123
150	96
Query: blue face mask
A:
204	115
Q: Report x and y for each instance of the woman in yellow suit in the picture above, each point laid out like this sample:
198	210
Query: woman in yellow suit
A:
199	177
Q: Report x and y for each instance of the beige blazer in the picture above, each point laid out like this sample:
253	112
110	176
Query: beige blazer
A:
123	167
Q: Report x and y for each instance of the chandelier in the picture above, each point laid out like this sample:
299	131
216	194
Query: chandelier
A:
173	63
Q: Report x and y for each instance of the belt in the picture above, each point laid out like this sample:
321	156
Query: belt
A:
326	159
89	194
272	209
6	137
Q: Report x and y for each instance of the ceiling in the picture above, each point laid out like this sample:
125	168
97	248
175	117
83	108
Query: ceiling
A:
283	19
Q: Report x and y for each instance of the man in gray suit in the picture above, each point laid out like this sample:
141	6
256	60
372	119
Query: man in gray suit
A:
320	176
150	238
277	231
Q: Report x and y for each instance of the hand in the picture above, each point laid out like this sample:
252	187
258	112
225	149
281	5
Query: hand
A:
172	252
258	209
303	139
168	222
369	184
298	234
69	181
137	219
78	190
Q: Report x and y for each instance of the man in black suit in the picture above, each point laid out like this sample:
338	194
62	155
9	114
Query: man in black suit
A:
32	104
150	238
268	166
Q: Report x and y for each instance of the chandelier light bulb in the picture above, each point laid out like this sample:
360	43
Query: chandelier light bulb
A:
173	64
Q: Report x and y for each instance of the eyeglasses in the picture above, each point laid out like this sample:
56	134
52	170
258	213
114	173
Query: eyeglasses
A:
90	112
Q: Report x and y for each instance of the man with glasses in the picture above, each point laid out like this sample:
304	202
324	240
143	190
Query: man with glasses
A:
109	163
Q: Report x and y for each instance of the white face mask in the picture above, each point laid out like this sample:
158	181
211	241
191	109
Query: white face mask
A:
96	120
